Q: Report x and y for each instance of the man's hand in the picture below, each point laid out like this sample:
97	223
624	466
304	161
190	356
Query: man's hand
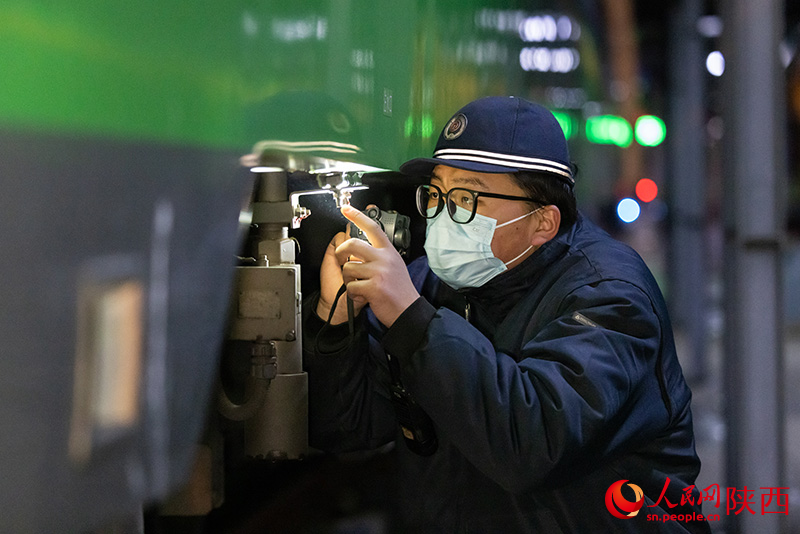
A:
331	280
374	272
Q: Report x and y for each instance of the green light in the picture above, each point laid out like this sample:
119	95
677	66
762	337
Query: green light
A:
408	126
427	126
567	123
609	130
650	130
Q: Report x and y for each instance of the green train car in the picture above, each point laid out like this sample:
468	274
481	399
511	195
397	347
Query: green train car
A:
127	136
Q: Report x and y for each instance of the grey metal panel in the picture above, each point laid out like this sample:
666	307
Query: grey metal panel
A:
164	216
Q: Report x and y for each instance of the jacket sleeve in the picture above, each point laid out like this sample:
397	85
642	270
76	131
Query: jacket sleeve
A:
584	386
348	405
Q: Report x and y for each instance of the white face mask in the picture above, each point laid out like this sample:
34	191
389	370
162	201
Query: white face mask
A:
461	254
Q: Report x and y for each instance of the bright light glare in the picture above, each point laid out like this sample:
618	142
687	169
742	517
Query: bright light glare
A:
646	190
609	129
566	122
715	63
541	59
628	210
564	26
650	130
548	28
343	167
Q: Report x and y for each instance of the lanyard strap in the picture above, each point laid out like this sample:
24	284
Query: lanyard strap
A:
394	365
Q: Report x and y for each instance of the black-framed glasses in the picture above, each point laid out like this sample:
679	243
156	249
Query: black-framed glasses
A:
462	204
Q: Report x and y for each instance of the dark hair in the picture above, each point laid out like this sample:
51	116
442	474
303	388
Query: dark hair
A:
550	190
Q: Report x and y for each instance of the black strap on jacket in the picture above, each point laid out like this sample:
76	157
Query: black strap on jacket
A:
416	426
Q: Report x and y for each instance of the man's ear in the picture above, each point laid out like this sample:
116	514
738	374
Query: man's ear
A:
549	218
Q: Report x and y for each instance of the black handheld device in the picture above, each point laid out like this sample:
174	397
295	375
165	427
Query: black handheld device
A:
394	225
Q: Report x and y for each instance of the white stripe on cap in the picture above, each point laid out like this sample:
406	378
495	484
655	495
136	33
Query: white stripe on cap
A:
506	160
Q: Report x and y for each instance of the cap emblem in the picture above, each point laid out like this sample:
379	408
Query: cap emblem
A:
455	127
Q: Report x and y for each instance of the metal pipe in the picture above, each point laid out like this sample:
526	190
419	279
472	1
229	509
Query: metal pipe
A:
272	187
687	178
256	393
263	369
755	188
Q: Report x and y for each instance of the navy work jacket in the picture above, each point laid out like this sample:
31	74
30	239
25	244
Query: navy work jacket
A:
547	385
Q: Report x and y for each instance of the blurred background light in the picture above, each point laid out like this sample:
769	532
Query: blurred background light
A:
646	190
650	130
609	130
715	63
567	123
538	29
628	210
542	59
564	25
710	26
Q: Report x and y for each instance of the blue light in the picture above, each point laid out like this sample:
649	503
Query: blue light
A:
628	210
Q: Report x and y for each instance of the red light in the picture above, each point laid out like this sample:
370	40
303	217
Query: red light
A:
646	190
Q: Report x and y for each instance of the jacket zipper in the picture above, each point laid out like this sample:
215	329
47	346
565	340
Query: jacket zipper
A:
466	312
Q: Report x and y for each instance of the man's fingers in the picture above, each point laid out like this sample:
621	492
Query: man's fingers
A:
330	252
355	249
357	290
371	228
353	270
337	240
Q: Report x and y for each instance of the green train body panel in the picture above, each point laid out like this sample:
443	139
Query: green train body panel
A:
382	75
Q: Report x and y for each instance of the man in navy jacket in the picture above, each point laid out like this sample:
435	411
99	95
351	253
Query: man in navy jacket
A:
538	347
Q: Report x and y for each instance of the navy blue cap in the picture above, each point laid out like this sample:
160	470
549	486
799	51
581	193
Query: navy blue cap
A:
499	134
